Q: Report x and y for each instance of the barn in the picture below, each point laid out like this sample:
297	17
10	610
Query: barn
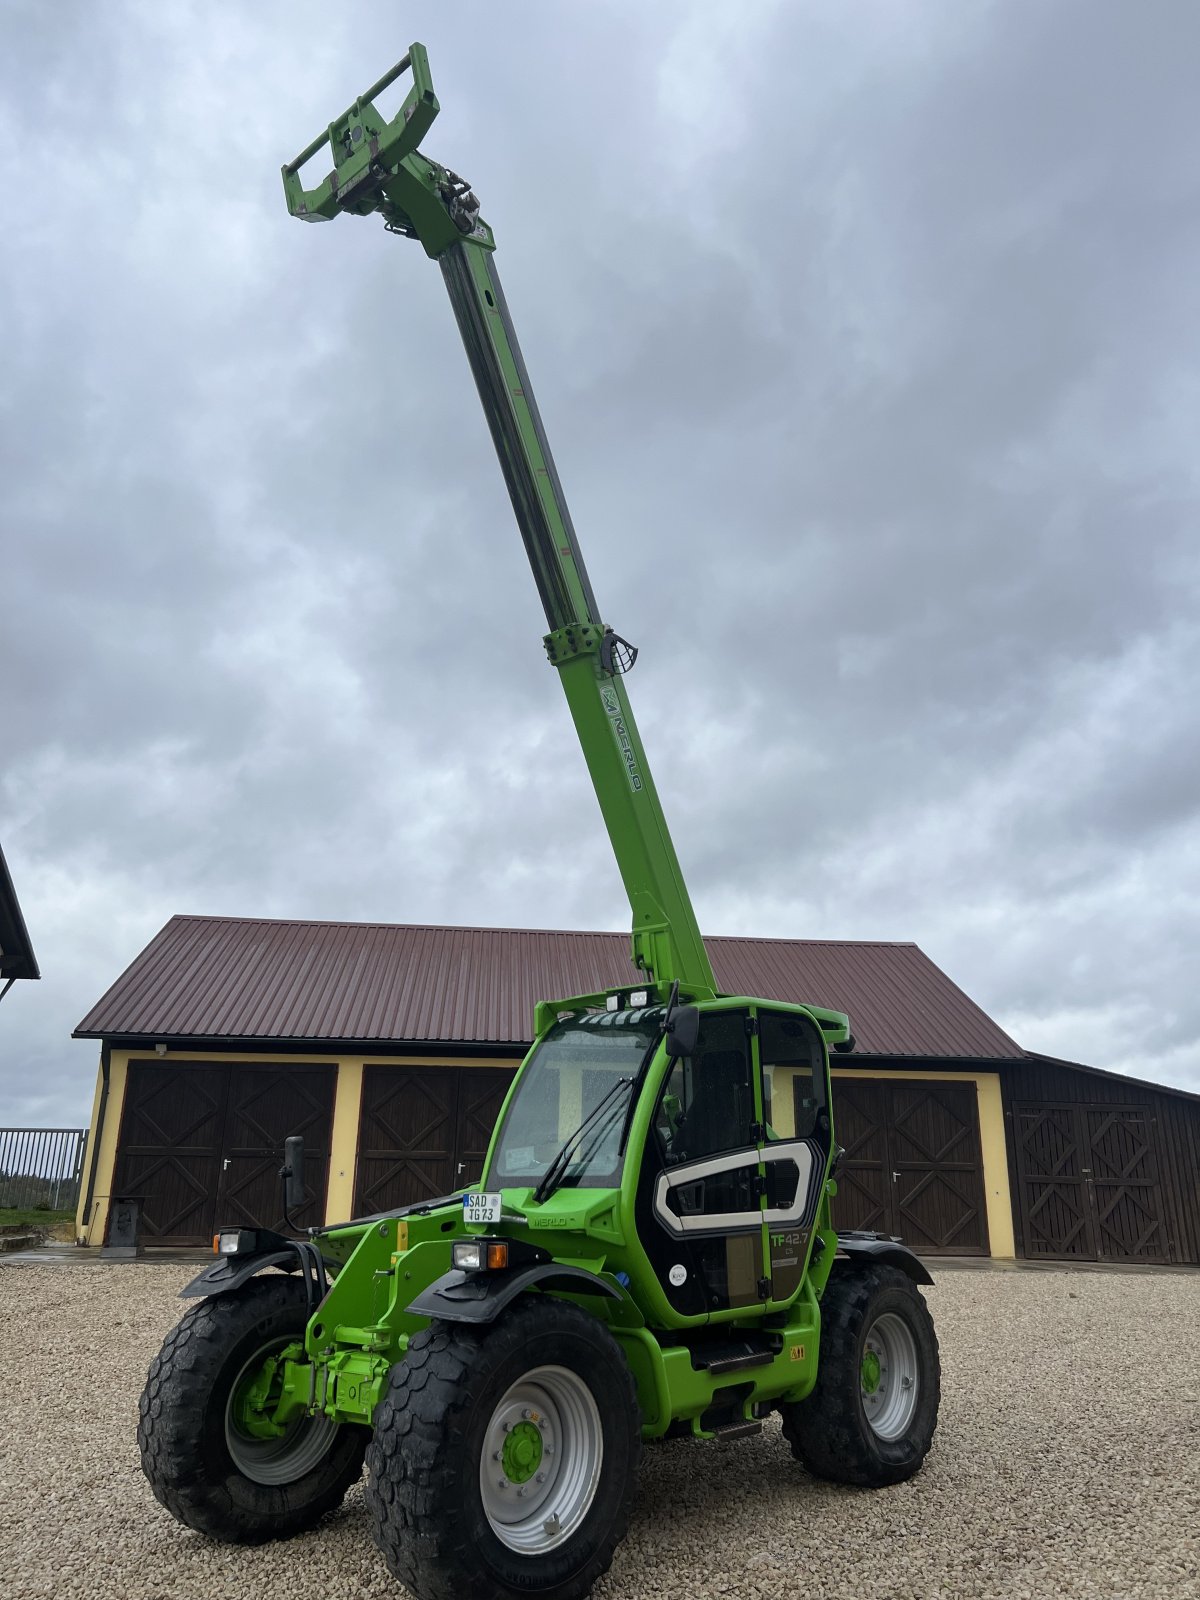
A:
390	1049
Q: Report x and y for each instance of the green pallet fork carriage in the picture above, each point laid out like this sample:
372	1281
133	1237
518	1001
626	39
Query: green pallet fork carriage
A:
650	1250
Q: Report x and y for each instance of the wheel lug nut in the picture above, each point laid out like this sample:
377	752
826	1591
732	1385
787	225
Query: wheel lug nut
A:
520	1493
497	1456
526	1414
541	1477
502	1483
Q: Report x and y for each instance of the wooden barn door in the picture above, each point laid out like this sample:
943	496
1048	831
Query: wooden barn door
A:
1087	1183
423	1132
913	1164
169	1148
265	1106
481	1093
201	1144
405	1137
864	1179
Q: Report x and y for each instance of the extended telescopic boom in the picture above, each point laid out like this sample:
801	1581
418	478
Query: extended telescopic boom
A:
377	167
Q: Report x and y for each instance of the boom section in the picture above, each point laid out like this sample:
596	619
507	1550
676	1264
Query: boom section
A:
379	168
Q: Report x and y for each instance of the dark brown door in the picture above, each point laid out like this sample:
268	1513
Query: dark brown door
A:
169	1149
913	1164
405	1137
423	1132
864	1177
1052	1198
1123	1177
266	1105
481	1093
200	1145
937	1167
1087	1183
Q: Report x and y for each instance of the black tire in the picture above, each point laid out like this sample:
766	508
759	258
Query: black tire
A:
424	1493
183	1436
830	1432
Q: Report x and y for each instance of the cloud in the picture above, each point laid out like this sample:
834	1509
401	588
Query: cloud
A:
864	340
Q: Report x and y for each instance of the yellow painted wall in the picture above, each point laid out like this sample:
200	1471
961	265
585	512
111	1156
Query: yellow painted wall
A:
103	1154
347	1102
343	1143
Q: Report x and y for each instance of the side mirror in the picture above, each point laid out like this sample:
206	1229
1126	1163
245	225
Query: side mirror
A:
292	1172
683	1031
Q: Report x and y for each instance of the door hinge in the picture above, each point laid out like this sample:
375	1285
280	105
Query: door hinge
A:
758	1185
764	1288
751	1026
757	1133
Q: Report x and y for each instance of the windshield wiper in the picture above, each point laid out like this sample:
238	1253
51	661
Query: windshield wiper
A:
561	1160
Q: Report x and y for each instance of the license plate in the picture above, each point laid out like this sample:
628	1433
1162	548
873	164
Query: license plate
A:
482	1207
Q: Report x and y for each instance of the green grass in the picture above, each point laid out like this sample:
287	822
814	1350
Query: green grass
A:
33	1218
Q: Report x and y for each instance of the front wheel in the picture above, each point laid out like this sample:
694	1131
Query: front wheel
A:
871	1417
504	1458
208	1446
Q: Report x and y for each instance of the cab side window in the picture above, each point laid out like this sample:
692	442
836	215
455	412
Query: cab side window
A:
707	1104
793	1079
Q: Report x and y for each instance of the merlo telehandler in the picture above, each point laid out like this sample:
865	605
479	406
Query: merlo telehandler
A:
649	1250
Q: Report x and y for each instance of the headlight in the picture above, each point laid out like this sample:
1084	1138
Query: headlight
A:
235	1242
480	1255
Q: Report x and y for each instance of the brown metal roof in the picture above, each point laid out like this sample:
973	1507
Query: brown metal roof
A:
250	978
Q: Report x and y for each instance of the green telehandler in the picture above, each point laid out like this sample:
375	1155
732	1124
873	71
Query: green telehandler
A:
649	1250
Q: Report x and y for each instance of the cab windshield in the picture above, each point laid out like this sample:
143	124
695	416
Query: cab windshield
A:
577	1064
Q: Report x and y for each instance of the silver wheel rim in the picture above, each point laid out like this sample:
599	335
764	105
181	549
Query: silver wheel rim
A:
889	1376
538	1503
303	1445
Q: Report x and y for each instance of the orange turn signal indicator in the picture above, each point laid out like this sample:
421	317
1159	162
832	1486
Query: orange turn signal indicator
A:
497	1256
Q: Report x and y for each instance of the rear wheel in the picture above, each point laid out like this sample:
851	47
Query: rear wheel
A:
504	1458
208	1446
871	1418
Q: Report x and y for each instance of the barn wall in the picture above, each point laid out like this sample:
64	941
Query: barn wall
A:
91	1229
1176	1127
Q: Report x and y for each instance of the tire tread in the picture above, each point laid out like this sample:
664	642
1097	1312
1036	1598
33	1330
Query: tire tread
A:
828	1432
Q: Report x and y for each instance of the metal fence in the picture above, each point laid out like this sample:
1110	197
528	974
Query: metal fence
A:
40	1168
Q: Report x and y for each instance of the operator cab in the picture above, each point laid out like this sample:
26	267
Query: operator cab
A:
730	1159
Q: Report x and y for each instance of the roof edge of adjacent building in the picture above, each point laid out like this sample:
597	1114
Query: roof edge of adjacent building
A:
1041	1057
17	959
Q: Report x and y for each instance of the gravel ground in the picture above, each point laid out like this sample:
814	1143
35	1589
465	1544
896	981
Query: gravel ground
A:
1066	1464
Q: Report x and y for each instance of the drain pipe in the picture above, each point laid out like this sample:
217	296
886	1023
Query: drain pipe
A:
105	1059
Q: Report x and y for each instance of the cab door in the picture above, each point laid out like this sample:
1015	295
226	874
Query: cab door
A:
702	1182
796	1124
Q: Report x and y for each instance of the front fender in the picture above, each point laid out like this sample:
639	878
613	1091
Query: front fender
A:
230	1273
862	1248
480	1297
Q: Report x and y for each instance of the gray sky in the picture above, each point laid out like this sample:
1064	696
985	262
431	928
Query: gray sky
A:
866	339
